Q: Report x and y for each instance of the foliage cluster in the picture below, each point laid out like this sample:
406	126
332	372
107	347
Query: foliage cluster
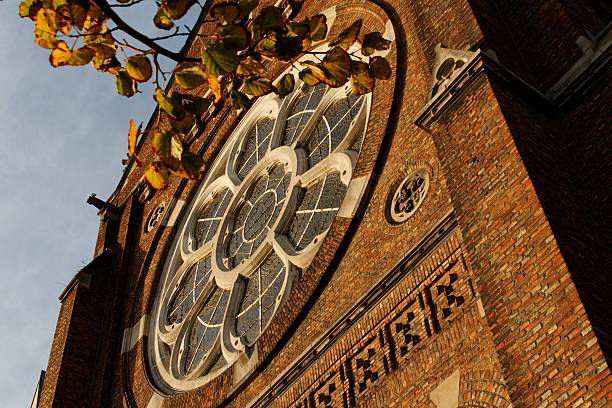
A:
232	63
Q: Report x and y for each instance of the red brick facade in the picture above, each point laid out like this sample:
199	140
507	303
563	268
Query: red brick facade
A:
495	293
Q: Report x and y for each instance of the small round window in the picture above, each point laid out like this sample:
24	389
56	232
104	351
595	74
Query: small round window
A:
409	195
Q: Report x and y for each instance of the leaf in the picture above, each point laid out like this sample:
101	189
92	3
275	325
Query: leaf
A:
63	20
176	9
169	147
299	30
190	78
246	6
157	175
337	64
218	59
215	87
288	48
234	36
133	134
257	86
240	100
296	7
126	86
191	166
110	65
380	68
169	105
373	42
183	125
139	68
45	28
60	55
361	80
78	11
81	56
267	45
285	85
269	19
318	27
227	10
250	66
347	37
162	20
196	106
308	77
25	8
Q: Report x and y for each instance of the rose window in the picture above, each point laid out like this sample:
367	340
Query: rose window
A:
252	230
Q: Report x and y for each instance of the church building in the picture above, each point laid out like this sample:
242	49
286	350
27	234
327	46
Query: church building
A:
441	242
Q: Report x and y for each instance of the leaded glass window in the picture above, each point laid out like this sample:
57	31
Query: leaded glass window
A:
257	221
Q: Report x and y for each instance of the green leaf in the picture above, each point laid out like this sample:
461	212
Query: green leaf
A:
190	78
234	36
287	47
299	30
337	64
157	175
227	10
373	42
169	147
308	77
197	106
176	9
191	166
269	19
126	86
218	59
347	37
162	20
380	68
240	100
139	68
257	86
171	106
285	85
318	27
361	80
250	66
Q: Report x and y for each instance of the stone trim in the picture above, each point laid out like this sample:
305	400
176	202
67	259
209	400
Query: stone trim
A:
445	91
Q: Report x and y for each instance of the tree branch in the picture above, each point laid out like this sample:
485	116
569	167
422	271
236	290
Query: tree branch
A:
110	13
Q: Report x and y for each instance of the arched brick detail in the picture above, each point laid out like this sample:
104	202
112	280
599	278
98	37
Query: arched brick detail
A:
483	388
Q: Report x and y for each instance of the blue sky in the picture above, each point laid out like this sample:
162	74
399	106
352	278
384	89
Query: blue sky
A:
63	135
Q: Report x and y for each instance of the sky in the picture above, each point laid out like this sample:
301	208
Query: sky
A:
63	134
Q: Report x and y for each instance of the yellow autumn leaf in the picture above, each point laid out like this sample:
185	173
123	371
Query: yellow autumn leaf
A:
157	175
133	134
139	68
60	55
45	28
215	87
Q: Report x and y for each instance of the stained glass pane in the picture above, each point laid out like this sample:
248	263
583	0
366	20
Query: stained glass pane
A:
256	216
317	210
332	128
210	217
301	111
257	306
255	145
205	330
191	287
